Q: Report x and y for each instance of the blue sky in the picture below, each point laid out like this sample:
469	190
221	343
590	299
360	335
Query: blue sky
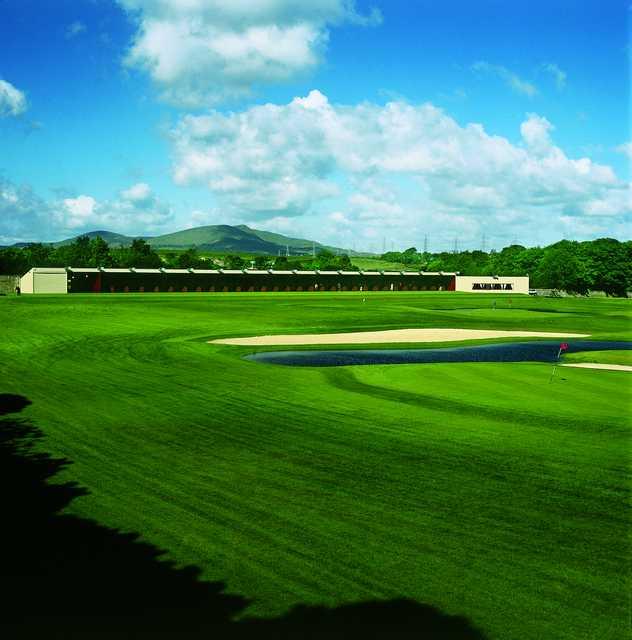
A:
357	124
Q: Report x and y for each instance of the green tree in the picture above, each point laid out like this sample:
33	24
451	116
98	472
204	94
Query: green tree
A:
281	263
138	254
100	253
234	262
262	262
609	264
13	261
190	259
562	268
39	255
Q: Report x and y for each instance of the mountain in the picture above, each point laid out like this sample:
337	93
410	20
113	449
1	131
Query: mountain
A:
113	239
241	238
220	238
302	245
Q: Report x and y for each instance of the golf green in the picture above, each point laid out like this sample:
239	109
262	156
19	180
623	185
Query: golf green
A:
485	491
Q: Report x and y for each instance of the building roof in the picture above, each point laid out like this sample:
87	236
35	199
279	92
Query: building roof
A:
240	271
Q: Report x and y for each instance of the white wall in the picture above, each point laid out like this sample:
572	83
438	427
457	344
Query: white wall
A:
44	280
499	284
26	282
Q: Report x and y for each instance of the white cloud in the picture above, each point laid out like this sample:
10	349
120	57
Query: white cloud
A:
74	29
558	75
139	193
201	52
411	168
22	213
338	217
12	100
136	209
78	212
25	216
511	79
535	132
615	202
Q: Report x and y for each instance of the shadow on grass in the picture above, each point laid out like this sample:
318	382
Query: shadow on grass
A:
67	577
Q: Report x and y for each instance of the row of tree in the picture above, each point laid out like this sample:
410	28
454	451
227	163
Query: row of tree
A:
96	252
84	252
576	267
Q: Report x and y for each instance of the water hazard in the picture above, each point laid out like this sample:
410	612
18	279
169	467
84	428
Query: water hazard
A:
537	351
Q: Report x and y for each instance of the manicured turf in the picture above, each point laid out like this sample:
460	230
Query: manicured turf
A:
605	357
483	490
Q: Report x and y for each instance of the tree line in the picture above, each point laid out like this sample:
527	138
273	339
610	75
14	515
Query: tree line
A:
604	264
577	267
95	252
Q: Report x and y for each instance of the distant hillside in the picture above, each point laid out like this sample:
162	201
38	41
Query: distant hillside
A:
220	238
113	239
300	244
238	239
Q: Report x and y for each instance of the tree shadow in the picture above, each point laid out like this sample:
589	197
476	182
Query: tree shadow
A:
67	577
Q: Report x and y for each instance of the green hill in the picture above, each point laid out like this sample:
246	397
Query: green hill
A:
300	244
219	238
113	239
237	239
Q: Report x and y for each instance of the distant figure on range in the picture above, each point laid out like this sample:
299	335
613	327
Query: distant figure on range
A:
18	291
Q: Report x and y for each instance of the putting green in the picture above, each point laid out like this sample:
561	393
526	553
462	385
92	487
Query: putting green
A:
481	490
605	357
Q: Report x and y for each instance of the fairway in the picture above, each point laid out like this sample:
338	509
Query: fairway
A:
480	498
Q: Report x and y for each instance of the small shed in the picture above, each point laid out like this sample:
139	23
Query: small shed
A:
44	280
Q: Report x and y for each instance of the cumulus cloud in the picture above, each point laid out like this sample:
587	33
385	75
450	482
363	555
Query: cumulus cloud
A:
409	167
78	212
558	75
535	133
201	52
136	209
25	216
12	100
511	79
139	193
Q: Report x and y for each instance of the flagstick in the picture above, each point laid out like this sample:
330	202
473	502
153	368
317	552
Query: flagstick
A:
559	353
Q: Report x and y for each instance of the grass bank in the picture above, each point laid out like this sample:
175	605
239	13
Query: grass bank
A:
481	491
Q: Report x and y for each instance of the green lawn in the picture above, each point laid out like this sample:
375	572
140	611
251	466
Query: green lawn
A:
604	357
377	264
482	490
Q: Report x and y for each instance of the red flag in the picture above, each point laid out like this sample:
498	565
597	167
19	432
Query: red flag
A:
564	346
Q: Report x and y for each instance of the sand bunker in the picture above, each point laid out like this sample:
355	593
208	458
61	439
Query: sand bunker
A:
391	336
597	365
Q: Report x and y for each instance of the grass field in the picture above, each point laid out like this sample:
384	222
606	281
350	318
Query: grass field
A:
466	500
604	357
365	263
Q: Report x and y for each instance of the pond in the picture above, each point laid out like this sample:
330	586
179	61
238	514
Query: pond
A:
538	351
